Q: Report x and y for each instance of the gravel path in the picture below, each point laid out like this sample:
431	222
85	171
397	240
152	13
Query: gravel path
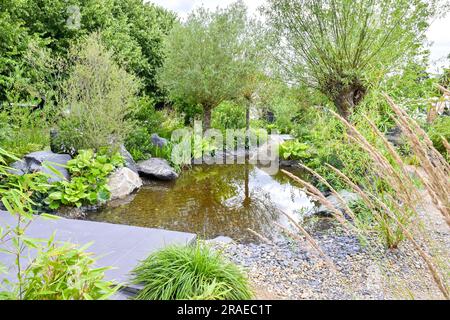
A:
288	269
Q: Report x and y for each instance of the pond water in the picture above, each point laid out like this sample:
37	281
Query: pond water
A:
211	201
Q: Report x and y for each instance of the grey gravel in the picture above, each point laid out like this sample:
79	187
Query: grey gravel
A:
289	269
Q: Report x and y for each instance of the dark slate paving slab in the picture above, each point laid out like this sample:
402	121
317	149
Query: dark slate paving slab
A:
119	246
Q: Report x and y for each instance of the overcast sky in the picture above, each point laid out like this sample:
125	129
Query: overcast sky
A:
439	32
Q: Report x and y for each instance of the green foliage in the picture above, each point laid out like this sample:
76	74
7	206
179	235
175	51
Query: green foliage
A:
56	272
171	121
228	115
284	110
145	116
340	47
132	29
139	144
148	121
14	42
191	112
439	129
141	148
330	144
295	150
65	273
412	82
88	184
136	35
206	58
444	79
97	97
192	272
23	132
202	146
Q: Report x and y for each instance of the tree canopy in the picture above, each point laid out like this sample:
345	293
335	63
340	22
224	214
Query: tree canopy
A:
207	58
339	46
132	29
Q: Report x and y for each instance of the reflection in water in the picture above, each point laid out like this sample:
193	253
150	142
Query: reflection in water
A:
212	201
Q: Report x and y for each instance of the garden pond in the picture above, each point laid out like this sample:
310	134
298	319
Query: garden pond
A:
214	200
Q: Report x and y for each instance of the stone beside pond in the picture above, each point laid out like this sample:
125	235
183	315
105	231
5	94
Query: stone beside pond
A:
123	182
157	168
34	162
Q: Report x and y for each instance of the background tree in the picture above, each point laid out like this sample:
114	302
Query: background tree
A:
97	96
340	47
205	58
132	29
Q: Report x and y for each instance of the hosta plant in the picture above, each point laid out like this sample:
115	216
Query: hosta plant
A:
88	184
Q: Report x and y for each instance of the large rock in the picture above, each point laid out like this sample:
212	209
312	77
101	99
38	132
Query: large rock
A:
349	198
158	141
123	182
34	162
157	168
129	161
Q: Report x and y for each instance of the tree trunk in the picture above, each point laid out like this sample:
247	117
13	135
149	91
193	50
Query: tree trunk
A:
247	125
207	118
247	116
347	100
247	199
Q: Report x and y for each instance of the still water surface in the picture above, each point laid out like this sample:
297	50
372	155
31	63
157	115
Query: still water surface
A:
211	201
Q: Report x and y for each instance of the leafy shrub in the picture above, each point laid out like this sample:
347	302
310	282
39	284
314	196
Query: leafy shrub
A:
97	96
228	115
56	272
146	116
203	147
284	110
192	272
88	184
37	186
191	112
148	121
139	144
171	121
295	150
65	273
23	132
438	130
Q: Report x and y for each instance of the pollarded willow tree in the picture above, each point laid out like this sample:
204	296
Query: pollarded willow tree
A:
340	47
209	58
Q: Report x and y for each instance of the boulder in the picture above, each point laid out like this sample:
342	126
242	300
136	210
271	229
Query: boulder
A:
19	167
129	161
123	182
34	162
349	197
157	168
158	141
